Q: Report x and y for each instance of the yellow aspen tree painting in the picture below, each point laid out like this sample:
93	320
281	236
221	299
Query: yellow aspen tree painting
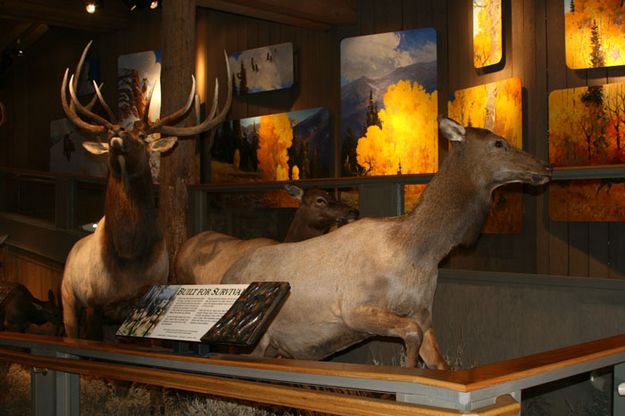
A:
487	34
587	128
389	105
593	31
497	106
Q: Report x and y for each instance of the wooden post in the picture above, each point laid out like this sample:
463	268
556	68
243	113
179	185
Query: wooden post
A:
180	167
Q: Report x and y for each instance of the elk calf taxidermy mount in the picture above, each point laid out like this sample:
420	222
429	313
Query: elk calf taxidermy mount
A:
377	276
205	257
21	309
127	250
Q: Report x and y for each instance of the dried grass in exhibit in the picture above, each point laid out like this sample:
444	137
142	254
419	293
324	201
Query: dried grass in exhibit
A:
487	37
497	106
593	31
587	128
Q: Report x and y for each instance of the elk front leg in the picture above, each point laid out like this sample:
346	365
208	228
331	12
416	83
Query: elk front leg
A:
430	353
378	321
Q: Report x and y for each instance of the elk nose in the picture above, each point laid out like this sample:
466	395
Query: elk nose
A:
118	144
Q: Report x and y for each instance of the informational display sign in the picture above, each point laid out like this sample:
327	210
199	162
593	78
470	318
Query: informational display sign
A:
239	313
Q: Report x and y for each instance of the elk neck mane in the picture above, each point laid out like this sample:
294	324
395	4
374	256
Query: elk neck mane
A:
451	210
131	230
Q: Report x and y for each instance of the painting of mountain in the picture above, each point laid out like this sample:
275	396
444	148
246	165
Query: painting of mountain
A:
276	147
389	103
263	69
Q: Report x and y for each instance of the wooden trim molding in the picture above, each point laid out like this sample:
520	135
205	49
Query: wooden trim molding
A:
318	400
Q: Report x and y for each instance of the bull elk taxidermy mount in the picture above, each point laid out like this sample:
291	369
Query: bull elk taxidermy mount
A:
127	251
377	276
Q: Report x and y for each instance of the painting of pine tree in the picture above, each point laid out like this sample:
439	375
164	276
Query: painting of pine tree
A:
389	104
274	147
262	69
587	128
594	33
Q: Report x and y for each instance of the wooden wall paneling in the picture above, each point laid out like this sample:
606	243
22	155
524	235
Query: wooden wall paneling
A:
537	127
557	78
617	250
256	31
616	230
598	250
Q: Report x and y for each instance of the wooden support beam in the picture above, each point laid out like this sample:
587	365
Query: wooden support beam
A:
67	13
319	14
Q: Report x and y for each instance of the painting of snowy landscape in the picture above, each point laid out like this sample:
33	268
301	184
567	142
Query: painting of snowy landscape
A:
389	103
263	69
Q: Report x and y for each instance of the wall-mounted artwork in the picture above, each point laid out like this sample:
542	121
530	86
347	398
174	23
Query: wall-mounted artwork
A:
276	147
497	106
67	153
389	103
137	73
587	128
487	33
263	69
593	31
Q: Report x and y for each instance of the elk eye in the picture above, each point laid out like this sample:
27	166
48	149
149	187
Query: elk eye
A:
498	143
321	201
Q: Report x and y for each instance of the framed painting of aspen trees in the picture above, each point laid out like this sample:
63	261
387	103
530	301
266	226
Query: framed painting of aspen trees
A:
497	106
389	104
593	31
263	69
276	147
587	128
137	73
487	33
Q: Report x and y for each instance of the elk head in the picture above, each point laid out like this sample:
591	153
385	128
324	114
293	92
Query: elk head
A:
129	148
492	160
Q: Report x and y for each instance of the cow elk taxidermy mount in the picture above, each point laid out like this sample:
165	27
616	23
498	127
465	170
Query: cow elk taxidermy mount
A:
127	251
377	276
205	257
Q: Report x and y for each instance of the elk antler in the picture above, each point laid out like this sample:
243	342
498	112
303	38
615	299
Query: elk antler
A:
209	122
74	106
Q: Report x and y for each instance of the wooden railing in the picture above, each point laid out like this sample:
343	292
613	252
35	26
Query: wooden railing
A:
492	389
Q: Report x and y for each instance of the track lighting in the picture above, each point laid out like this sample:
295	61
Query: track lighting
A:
91	6
142	4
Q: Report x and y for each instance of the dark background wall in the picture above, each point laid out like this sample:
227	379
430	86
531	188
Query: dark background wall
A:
492	319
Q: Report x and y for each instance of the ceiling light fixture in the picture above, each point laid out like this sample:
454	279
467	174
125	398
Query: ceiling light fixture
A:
153	4
91	6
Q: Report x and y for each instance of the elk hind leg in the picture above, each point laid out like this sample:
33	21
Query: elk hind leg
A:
379	321
430	352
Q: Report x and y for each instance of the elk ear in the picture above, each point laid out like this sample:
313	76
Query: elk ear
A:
452	130
37	306
96	148
162	144
295	191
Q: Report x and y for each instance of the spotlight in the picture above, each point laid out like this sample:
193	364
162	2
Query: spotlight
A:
153	4
91	6
18	48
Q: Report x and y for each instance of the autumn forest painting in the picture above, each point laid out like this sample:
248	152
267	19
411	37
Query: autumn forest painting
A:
594	33
497	106
276	147
487	33
587	128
